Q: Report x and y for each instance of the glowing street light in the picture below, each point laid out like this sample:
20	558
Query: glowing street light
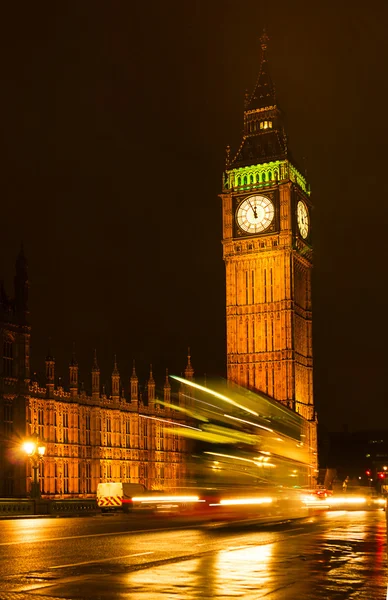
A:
35	450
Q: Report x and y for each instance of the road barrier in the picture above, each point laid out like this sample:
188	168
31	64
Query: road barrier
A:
20	507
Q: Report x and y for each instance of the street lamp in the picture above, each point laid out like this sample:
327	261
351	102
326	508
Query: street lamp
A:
35	450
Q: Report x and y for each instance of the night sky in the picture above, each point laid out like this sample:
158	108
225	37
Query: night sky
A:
115	119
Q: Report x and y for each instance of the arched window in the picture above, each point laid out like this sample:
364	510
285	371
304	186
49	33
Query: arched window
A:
269	175
245	180
238	180
261	125
263	177
250	178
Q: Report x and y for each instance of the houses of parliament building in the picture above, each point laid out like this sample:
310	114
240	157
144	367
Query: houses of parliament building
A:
268	255
88	438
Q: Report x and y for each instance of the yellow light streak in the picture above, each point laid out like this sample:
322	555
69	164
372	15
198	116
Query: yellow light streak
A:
344	501
214	393
164	499
380	501
242	501
249	423
254	462
169	422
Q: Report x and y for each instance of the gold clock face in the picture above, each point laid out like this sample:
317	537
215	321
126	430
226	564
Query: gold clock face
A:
302	216
255	214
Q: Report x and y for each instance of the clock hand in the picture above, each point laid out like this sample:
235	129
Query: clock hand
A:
254	209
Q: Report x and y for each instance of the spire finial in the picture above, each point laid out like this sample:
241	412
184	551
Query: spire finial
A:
264	39
227	159
49	351
188	356
95	364
133	369
73	358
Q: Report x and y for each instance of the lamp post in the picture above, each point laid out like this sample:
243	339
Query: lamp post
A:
35	450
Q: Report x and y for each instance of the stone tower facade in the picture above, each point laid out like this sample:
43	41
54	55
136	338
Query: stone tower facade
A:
267	249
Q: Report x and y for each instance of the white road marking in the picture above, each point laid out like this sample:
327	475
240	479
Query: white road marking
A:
89	562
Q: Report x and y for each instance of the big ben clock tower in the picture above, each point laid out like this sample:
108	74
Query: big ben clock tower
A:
267	248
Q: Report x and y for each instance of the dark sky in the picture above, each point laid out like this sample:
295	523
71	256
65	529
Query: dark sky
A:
115	119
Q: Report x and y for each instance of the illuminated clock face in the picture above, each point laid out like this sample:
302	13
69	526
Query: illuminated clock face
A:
255	214
303	219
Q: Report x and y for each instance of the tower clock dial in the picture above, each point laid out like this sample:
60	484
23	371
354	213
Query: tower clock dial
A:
302	216
255	214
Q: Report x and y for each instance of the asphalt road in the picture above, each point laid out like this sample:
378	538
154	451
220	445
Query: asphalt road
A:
338	555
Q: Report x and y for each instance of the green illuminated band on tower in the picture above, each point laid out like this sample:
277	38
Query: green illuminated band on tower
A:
264	175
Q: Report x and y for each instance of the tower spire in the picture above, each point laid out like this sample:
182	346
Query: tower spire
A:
115	381
264	39
134	385
263	140
95	377
189	371
73	374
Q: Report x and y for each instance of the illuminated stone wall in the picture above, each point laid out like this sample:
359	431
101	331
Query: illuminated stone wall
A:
91	440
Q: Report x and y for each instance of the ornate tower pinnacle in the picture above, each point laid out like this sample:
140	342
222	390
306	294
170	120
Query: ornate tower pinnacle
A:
167	389
264	39
115	381
189	371
50	374
134	385
73	375
151	388
95	377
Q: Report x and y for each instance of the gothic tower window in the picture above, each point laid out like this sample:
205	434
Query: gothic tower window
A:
87	429
66	477
162	438
8	358
41	423
65	428
88	477
108	431
145	434
128	433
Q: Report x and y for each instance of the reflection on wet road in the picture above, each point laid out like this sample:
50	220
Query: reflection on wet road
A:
340	555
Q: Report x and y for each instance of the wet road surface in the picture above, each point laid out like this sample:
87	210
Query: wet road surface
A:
339	555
